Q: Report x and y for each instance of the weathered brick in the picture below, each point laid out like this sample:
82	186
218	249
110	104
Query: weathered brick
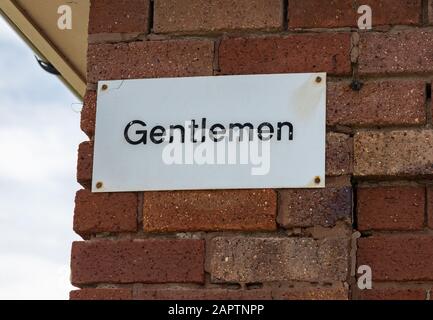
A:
307	293
397	257
390	208
203	294
393	153
150	59
245	210
119	16
339	154
391	294
85	164
343	13
88	114
101	294
332	293
146	261
396	52
430	11
389	102
105	212
256	259
197	16
318	52
310	207
430	207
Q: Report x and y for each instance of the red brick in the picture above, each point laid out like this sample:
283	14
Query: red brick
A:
430	207
203	294
101	294
343	13
339	154
391	208
310	207
146	261
243	210
261	259
319	52
88	114
397	257
105	212
150	59
396	52
119	16
85	164
430	11
337	293
197	16
391	294
393	153
389	102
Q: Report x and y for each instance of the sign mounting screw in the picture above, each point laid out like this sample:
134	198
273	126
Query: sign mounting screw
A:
317	180
99	185
318	79
104	87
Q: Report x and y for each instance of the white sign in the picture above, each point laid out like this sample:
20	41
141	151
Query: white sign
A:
224	132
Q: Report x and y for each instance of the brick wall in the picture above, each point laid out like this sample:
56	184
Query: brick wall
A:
271	244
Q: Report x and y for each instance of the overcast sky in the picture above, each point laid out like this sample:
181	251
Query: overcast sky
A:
39	137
